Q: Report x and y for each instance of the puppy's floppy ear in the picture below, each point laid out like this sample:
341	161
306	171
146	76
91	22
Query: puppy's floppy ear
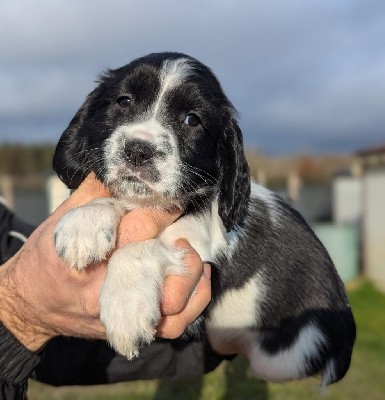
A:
234	178
69	160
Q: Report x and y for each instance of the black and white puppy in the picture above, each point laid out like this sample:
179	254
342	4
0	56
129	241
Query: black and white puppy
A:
160	133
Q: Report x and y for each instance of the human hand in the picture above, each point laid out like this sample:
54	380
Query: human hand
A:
42	297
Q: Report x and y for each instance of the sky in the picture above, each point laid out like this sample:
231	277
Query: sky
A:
305	76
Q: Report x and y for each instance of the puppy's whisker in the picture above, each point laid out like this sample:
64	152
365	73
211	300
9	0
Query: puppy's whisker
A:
87	164
196	189
190	187
209	179
202	171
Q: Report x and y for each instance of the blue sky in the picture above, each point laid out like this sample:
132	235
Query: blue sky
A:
304	75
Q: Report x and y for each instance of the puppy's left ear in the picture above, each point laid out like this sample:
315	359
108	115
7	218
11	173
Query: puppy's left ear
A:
234	177
69	159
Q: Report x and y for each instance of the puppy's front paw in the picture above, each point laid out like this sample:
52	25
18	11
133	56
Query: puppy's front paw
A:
130	295
86	234
130	317
129	301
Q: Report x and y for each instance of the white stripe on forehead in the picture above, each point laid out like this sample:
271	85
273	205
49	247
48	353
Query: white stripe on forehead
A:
172	74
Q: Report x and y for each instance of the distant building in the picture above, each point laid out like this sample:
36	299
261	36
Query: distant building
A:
359	197
369	159
347	198
372	163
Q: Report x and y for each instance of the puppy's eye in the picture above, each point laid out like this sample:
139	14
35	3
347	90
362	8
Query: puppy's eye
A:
192	120
124	101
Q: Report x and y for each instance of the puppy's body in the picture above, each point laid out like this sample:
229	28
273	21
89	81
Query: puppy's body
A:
161	133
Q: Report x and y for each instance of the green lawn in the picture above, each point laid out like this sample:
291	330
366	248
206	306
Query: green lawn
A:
364	381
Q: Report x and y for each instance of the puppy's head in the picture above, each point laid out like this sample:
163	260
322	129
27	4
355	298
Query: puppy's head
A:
159	132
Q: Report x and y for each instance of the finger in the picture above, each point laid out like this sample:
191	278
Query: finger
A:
177	289
144	224
172	326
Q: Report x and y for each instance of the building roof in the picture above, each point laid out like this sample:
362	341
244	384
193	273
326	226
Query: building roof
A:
379	149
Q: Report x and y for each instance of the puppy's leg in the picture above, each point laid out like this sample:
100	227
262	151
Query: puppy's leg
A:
301	359
88	233
130	296
295	349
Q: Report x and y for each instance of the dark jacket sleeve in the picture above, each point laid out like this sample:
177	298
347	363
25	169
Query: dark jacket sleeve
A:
16	362
9	391
69	361
13	233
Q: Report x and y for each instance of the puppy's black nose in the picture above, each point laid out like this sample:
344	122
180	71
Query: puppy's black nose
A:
139	152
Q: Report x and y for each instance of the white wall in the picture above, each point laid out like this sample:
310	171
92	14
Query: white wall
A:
347	200
57	192
374	226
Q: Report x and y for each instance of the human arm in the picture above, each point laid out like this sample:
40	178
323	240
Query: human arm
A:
42	298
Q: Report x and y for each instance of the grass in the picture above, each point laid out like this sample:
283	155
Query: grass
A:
365	379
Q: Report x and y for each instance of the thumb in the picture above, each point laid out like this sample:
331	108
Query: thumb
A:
143	224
